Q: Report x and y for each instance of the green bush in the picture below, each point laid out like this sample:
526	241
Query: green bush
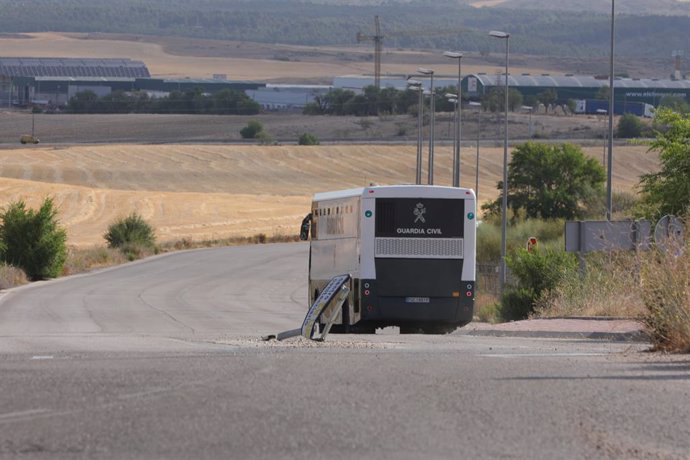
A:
33	240
537	274
516	304
629	126
308	139
265	138
131	234
252	130
549	233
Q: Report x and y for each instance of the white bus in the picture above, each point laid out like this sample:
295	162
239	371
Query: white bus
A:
410	251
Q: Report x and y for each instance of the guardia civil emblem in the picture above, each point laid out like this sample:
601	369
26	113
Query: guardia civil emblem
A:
419	212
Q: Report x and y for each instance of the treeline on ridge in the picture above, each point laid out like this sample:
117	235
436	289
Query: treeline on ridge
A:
437	25
225	102
370	102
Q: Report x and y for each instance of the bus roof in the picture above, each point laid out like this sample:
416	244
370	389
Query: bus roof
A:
399	191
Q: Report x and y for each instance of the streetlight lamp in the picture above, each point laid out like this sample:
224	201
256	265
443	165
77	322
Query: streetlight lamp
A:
432	108
458	114
478	105
417	86
609	193
504	205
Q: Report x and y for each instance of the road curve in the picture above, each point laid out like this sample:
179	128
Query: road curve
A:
195	295
161	359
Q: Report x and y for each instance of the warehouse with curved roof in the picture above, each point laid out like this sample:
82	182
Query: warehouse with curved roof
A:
649	91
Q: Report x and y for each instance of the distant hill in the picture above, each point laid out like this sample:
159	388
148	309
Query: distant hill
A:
536	27
636	7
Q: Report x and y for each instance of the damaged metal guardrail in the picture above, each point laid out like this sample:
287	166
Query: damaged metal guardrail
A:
324	312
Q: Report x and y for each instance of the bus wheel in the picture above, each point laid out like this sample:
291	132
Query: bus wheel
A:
439	329
357	329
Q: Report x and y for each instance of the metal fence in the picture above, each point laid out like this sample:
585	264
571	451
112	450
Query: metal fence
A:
487	278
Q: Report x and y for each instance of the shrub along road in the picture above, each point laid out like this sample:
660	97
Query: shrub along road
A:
161	358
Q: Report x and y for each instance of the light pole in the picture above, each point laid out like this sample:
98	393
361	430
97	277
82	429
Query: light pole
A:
478	105
453	99
504	206
417	85
458	118
529	129
609	193
432	109
606	137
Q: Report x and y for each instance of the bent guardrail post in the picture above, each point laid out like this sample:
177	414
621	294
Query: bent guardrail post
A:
330	300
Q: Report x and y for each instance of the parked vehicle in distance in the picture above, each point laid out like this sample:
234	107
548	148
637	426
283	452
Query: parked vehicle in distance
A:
600	106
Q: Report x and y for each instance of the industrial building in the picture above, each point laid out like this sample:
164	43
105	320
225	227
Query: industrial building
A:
287	97
475	86
358	82
649	91
53	81
23	80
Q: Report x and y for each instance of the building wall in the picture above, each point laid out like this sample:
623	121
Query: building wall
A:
624	90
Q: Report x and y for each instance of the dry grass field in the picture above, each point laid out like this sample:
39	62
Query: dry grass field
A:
217	191
181	57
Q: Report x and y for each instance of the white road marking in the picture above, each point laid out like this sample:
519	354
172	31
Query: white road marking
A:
20	414
40	357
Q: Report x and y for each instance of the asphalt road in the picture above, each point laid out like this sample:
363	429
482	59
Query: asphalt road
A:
161	359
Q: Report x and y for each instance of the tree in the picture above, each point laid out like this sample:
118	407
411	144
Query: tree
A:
335	100
549	96
629	126
252	130
83	102
668	191
494	100
357	105
603	93
675	103
550	181
33	240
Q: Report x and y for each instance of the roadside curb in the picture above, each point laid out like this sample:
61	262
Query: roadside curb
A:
637	336
611	329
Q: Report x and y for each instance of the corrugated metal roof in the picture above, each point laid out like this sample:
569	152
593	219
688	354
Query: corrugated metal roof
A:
85	79
72	67
576	81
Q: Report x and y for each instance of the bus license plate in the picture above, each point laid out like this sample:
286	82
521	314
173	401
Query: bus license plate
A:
416	300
